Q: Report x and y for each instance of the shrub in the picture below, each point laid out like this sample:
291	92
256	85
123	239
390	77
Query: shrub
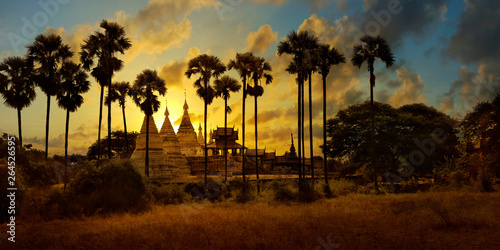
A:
114	186
306	192
213	190
283	190
243	191
170	194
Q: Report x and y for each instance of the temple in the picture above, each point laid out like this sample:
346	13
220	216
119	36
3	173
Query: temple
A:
187	137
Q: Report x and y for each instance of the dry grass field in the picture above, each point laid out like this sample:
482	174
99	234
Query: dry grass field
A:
434	220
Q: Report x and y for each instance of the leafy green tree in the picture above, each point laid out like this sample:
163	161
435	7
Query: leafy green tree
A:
17	86
49	53
223	88
104	47
207	67
74	83
368	50
243	64
144	90
118	145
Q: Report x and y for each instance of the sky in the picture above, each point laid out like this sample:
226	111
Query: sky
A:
447	56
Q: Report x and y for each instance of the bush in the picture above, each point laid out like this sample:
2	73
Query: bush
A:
213	190
283	190
169	194
307	193
37	173
243	191
114	186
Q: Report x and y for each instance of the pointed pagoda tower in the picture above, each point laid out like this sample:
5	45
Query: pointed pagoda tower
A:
187	137
156	153
201	139
175	159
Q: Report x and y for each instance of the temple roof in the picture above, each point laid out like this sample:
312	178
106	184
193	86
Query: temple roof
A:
152	126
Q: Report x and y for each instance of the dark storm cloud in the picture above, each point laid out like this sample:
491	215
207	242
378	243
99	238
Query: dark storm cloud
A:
395	19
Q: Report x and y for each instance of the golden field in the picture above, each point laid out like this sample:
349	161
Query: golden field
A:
433	220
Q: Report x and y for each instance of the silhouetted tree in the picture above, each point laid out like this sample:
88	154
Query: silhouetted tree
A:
49	52
223	88
119	92
17	86
243	63
370	49
104	47
143	93
327	58
259	71
74	83
208	67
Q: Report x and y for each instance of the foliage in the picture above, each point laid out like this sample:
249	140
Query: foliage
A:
113	186
169	194
118	145
400	135
243	191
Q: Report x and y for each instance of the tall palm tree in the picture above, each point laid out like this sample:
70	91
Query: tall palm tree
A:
119	92
299	44
207	66
260	70
223	88
74	83
327	58
370	49
104	47
16	86
243	64
49	52
310	63
144	95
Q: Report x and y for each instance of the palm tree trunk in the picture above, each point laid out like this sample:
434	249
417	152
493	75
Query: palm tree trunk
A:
100	121
372	79
256	148
205	125
243	128
19	128
109	119
299	137
311	128
325	161
302	131
146	170
66	149
125	127
47	129
225	139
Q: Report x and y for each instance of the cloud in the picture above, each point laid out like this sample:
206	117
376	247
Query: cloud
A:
160	25
477	39
74	38
409	18
469	89
173	71
275	2
410	90
259	41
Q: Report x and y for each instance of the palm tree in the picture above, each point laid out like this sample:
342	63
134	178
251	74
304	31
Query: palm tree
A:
74	83
310	63
243	64
16	86
104	47
328	57
143	93
370	49
119	92
299	44
223	88
207	66
49	52
259	71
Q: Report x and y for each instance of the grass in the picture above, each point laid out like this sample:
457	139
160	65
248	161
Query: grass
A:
436	220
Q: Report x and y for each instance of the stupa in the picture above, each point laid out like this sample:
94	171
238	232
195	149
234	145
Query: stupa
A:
157	164
187	137
201	139
175	159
